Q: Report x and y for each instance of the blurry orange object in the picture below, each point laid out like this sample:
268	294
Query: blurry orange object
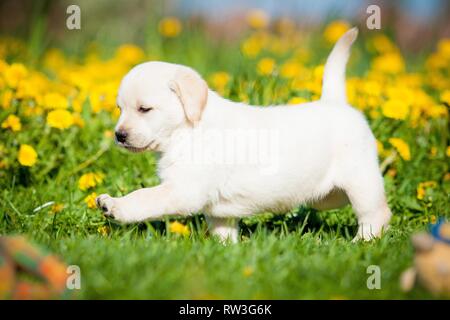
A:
27	272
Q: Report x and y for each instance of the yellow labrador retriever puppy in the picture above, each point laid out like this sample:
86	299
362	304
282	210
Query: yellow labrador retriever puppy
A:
229	160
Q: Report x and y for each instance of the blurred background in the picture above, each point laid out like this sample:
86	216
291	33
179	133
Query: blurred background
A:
415	24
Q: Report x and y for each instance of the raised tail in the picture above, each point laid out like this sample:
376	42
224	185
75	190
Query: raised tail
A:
333	86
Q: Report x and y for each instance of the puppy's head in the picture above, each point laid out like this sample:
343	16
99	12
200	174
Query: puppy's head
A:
154	99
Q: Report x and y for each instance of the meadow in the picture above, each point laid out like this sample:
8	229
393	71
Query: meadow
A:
57	152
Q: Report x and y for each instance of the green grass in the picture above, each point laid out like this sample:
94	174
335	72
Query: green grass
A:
301	255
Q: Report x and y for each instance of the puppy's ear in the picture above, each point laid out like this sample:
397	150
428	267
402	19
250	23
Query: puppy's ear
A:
192	91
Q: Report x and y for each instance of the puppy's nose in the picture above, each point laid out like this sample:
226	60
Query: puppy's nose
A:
121	136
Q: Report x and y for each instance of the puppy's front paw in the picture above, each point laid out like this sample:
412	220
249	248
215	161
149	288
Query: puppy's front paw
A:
106	203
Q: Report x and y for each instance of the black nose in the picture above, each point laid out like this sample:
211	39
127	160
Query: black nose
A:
121	136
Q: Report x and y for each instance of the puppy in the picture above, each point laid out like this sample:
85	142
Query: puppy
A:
322	153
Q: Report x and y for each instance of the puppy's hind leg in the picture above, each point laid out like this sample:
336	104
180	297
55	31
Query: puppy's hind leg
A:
226	229
365	191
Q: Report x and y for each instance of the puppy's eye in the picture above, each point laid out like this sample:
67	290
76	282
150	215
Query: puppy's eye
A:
143	109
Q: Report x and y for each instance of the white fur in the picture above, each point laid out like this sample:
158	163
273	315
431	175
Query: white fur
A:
325	153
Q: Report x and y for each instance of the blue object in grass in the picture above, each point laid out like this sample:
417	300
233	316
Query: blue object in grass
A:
435	231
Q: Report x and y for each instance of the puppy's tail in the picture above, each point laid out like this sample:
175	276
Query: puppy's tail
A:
333	87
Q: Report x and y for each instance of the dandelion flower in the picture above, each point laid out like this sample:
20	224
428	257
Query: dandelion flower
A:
252	46
433	151
401	147
391	63
60	119
297	100
219	80
335	30
266	66
90	200
103	230
108	134
78	120
6	99
27	155
382	43
445	97
423	186
290	69
12	122
14	74
90	180
395	109
54	100
130	54
169	27
179	228
57	207
380	148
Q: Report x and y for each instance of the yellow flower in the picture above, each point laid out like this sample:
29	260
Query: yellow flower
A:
12	122
445	97
391	63
90	180
14	74
382	43
447	151
103	230
60	119
395	109
27	155
57	207
54	59
401	147
108	134
433	219
90	200
297	100
55	100
248	271
130	54
380	148
78	120
433	151
421	188
252	46
179	228
444	47
169	27
7	97
266	66
290	69
258	19
219	80
335	30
